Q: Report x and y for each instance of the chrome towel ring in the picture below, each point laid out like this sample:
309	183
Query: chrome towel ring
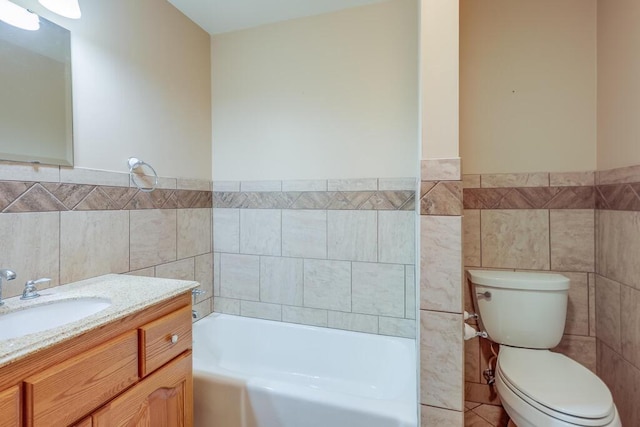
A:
137	178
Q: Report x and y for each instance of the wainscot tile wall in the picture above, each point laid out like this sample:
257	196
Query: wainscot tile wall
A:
69	224
441	343
538	222
332	253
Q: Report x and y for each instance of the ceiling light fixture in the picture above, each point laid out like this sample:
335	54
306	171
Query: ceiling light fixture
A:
18	16
66	8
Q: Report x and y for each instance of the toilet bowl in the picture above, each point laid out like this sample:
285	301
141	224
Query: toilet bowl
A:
525	313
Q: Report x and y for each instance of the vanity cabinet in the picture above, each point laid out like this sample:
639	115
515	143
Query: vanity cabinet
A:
134	371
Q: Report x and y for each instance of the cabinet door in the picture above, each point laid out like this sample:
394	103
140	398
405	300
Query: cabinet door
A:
163	399
10	407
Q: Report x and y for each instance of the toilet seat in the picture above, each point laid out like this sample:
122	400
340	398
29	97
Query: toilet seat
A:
556	385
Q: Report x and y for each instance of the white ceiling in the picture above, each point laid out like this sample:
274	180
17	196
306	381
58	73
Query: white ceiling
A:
221	16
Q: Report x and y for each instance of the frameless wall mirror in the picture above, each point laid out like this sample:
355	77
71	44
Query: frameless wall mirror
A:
35	94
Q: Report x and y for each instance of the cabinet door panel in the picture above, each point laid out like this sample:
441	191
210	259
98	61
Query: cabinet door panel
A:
163	399
10	407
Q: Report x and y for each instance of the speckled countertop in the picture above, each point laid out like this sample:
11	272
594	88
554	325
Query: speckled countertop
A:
128	294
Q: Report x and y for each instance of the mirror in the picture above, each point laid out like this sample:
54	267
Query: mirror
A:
35	94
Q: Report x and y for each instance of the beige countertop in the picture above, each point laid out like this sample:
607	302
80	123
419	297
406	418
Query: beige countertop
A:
128	294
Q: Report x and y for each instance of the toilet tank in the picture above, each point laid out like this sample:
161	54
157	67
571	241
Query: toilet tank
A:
521	309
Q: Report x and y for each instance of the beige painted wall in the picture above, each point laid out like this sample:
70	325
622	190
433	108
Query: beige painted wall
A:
141	86
330	96
528	85
439	78
618	83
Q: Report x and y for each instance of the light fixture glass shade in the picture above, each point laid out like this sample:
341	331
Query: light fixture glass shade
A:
18	16
66	8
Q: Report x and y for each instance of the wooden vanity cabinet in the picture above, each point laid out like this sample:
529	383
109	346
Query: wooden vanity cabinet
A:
131	372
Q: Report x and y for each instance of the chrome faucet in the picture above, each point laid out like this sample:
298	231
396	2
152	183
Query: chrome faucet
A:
5	274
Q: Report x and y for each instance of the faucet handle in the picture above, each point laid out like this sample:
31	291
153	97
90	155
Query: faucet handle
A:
30	290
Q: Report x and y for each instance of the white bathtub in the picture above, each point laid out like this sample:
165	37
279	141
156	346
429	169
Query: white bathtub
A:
259	373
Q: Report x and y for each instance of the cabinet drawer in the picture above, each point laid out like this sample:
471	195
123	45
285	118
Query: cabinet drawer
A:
62	394
10	407
164	339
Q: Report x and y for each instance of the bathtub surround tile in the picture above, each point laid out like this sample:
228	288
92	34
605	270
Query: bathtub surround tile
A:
470	181
226	186
281	280
216	274
14	171
305	316
10	191
179	270
618	245
592	304
35	199
471	238
261	310
441	364
630	324
204	275
305	185
572	240
353	322
226	230
441	263
431	416
260	232
93	243
312	200
194	232
378	289
203	308
396	237
145	272
153	237
572	179
393	326
327	284
622	197
622	175
410	291
240	277
261	186
608	309
578	305
580	349
515	180
393	184
226	305
193	184
304	233
366	184
30	246
515	239
529	198
351	235
75	175
440	169
444	198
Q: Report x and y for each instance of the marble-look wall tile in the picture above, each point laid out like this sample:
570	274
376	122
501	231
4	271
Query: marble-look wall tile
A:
226	186
441	263
12	171
630	324
378	289
145	272
30	246
441	360
618	175
572	240
578	306
204	275
470	181
442	198
352	235
396	237
226	230
203	309
327	284
366	184
281	280
608	312
580	349
261	310
393	326
431	416
194	232
618	246
216	274
471	238
515	180
153	237
226	305
305	316
260	231
305	185
261	186
304	233
472	361
179	270
91	176
240	277
410	291
193	184
93	243
572	179
395	184
592	304
515	239
623	379
440	169
353	322
482	393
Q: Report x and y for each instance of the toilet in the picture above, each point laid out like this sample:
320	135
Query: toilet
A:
525	313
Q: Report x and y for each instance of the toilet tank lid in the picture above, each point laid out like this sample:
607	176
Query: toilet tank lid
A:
519	280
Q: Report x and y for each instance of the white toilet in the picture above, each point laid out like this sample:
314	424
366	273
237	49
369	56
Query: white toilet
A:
525	313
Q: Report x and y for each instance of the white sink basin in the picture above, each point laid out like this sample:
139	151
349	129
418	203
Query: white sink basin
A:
42	317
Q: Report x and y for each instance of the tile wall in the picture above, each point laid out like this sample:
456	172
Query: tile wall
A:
332	253
617	287
441	343
69	224
538	222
